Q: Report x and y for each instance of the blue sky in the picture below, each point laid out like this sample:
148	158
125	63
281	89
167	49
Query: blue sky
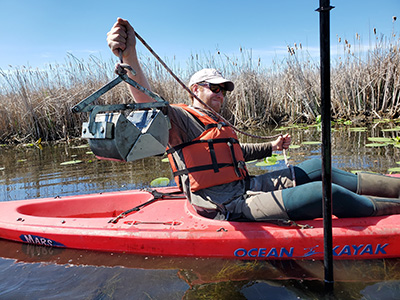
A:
40	32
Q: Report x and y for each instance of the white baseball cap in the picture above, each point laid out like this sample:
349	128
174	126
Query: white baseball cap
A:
211	76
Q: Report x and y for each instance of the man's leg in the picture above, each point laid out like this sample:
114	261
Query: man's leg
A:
304	202
311	170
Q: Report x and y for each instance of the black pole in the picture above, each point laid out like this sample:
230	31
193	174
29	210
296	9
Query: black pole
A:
324	10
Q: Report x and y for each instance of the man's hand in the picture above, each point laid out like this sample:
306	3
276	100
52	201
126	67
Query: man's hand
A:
122	37
282	142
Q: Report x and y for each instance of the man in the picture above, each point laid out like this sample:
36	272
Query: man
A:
209	163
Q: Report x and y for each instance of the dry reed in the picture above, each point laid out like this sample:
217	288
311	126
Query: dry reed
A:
36	103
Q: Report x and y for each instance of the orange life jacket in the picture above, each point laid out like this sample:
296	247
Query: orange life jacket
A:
213	158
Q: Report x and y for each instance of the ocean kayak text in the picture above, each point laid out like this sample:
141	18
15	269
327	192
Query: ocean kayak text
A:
346	250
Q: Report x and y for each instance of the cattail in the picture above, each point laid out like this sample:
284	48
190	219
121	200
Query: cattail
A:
394	18
374	30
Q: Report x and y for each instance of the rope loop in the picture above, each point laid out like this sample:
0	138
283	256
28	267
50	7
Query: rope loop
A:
120	69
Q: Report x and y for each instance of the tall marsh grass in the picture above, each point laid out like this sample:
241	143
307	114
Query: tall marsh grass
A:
36	103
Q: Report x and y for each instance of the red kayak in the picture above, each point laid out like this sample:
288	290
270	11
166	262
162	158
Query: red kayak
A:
164	223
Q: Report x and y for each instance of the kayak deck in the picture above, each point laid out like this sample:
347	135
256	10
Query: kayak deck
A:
171	227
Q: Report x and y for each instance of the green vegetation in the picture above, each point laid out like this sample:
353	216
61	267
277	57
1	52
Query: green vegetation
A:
159	182
36	103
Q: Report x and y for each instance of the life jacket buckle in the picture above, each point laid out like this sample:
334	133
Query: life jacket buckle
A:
241	165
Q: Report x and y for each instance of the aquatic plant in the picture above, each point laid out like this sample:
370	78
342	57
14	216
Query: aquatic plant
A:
36	103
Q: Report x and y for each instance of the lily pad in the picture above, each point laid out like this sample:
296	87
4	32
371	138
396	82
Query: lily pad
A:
71	162
361	171
160	181
392	129
356	171
266	163
165	160
251	161
311	143
358	129
382	120
284	128
394	170
294	146
272	158
80	146
280	157
376	145
380	139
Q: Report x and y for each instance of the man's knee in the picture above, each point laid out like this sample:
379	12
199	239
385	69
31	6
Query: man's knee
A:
261	206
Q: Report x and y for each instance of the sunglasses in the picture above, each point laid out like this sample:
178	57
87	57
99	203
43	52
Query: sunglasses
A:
215	88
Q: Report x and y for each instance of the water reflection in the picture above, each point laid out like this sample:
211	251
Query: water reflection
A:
28	271
34	173
110	275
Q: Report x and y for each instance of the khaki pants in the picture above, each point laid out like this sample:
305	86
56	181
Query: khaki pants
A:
264	199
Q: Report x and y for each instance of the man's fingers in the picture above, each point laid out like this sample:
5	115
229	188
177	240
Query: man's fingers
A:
117	37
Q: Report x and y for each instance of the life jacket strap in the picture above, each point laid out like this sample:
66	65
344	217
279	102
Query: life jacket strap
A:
213	156
200	168
183	145
213	125
235	162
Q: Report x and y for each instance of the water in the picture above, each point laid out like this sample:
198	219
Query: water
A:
34	272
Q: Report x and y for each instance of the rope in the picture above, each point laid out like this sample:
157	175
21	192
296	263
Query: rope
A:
197	98
290	167
122	65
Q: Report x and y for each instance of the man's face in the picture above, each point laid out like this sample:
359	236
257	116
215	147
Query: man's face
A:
213	97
